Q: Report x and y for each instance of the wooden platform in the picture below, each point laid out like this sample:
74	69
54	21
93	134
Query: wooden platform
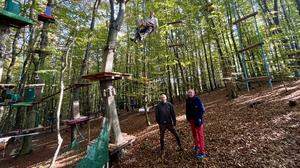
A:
175	45
13	20
128	141
177	22
7	86
245	18
107	76
35	85
78	121
45	18
113	148
251	47
39	51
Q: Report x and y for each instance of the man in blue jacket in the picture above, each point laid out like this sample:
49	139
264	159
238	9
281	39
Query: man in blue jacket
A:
166	119
194	114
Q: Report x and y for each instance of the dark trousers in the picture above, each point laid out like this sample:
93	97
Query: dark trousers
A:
143	32
162	130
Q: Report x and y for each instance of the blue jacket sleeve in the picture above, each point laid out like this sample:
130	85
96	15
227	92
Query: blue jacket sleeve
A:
201	108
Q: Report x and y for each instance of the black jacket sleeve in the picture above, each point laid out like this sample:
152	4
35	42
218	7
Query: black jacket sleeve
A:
157	114
173	115
187	110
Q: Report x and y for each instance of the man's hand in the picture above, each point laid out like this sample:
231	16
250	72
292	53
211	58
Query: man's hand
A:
198	122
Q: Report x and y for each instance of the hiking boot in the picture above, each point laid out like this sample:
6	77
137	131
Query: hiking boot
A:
179	149
162	154
201	155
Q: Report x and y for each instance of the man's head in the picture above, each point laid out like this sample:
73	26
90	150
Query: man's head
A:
152	14
191	93
163	98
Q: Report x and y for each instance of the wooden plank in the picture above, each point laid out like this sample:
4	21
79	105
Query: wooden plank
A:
40	51
175	45
178	22
78	121
13	20
45	18
107	76
10	86
251	47
41	129
245	18
35	85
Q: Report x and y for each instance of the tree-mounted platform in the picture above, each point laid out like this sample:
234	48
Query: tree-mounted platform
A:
245	18
77	121
41	52
235	74
107	76
32	91
114	148
175	45
251	47
128	141
176	23
7	86
13	20
46	18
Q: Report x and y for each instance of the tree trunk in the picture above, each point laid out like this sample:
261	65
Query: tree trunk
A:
13	57
4	30
108	55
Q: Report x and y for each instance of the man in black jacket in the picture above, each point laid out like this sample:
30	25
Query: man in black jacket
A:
166	119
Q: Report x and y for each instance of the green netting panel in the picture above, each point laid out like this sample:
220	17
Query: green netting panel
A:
15	97
74	145
37	118
97	154
29	95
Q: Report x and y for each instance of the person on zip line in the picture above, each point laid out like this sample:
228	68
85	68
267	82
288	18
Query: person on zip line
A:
145	28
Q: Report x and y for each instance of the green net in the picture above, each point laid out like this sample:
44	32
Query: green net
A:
97	154
37	118
75	144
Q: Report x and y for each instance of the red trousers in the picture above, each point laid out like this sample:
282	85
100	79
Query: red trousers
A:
198	135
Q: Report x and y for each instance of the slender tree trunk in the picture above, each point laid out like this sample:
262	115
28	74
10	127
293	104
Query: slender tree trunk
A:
13	57
4	31
108	55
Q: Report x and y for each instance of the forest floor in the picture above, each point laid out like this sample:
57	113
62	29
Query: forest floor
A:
237	135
